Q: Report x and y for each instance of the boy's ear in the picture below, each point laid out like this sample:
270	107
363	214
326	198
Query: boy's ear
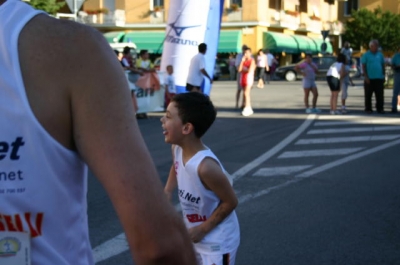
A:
188	128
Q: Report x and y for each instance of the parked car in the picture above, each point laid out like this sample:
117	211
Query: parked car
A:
289	73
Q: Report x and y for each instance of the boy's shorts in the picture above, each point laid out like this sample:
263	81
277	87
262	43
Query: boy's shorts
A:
220	259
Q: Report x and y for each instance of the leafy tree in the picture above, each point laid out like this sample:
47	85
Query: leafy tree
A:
365	25
49	6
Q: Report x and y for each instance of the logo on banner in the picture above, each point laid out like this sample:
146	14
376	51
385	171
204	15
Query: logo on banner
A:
178	32
9	246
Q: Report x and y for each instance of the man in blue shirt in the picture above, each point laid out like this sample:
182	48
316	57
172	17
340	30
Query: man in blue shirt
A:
396	86
373	64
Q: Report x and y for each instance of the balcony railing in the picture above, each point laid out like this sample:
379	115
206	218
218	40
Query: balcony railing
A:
282	19
116	18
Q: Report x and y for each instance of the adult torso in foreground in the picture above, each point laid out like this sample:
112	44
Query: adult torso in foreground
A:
83	102
42	182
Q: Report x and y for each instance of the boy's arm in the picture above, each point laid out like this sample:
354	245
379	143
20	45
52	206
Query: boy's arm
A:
214	179
172	182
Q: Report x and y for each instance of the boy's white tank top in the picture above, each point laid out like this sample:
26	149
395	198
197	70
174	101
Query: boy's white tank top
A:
42	184
198	204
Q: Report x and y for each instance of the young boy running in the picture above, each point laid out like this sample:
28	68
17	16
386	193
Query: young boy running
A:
205	193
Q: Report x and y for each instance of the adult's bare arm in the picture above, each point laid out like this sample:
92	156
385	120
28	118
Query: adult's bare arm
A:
107	136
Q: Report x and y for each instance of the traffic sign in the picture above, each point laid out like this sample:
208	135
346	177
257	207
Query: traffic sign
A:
74	5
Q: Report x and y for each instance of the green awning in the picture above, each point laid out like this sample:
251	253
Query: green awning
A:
146	40
319	42
114	36
230	41
306	44
279	42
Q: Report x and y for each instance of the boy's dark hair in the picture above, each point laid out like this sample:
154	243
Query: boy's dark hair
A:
143	52
126	50
202	47
341	58
197	109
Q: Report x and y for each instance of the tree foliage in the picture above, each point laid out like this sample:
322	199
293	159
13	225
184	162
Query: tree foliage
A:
49	6
365	25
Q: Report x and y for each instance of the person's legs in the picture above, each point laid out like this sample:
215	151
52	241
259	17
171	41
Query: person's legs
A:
306	96
314	91
334	97
367	97
247	110
396	91
344	86
260	76
378	85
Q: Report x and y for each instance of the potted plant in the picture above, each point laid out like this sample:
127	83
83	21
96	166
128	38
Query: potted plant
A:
157	9
235	7
314	17
292	13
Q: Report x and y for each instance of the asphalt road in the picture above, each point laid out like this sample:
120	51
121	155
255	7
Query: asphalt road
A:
313	189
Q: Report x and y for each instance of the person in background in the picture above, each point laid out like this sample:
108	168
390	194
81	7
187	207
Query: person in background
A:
396	86
344	86
247	68
262	67
334	77
373	64
232	67
309	71
143	63
197	70
134	100
170	89
206	195
239	89
62	119
272	62
128	62
348	53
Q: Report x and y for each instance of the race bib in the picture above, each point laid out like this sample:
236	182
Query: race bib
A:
15	248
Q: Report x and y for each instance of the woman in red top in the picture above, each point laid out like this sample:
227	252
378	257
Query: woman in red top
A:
246	69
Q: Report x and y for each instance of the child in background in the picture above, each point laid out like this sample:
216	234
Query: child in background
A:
205	193
170	89
309	71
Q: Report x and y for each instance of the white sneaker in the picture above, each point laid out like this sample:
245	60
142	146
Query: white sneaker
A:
308	110
398	107
333	112
338	112
247	111
316	110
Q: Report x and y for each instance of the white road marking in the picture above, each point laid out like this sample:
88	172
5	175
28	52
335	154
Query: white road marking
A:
267	155
357	121
317	170
349	139
279	171
357	129
113	247
320	152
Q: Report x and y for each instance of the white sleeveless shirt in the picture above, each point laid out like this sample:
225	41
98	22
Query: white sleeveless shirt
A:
198	204
43	185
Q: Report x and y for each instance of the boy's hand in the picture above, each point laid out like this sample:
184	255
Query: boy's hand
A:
196	234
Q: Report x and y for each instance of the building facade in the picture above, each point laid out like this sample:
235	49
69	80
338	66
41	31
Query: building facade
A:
289	28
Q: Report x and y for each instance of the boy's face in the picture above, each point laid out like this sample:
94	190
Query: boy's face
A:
170	70
172	125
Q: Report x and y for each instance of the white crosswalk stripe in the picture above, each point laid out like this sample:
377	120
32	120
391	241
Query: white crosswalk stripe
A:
348	139
279	171
351	125
356	129
320	152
